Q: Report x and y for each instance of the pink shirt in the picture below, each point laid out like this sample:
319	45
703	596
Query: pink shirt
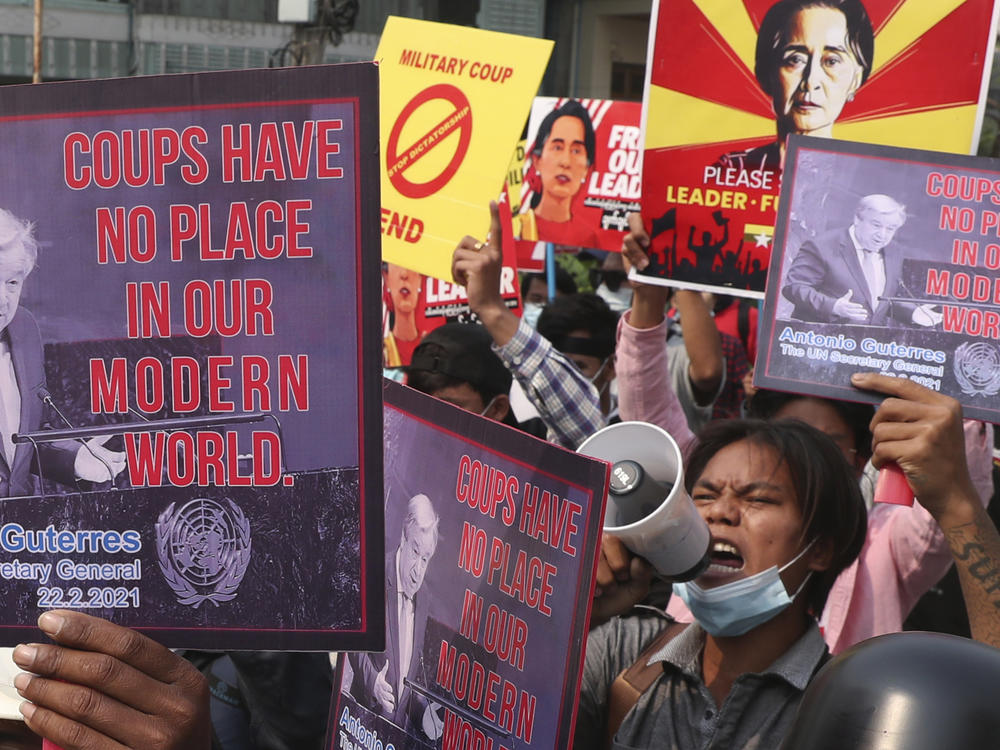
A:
905	552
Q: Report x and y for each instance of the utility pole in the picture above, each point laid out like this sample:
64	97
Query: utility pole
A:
36	75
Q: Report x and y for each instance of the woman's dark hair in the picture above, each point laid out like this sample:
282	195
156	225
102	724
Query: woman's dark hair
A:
830	500
572	108
774	29
765	404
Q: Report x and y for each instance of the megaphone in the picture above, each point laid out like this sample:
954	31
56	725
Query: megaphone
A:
648	507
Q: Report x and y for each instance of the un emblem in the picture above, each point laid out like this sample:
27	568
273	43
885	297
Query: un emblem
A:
203	549
977	368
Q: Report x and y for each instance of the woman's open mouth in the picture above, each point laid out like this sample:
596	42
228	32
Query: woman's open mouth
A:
725	559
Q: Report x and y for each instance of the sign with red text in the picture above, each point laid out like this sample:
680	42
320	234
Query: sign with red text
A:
728	82
453	104
193	353
581	172
491	543
886	260
413	305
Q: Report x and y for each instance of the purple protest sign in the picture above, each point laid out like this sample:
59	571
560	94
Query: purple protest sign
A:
885	260
202	325
491	548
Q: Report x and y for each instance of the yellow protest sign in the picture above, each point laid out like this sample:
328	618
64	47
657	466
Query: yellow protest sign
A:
453	104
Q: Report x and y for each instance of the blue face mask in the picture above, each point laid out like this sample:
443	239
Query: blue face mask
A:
530	312
737	607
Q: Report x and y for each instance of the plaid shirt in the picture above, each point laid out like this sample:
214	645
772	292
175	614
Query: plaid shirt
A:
566	401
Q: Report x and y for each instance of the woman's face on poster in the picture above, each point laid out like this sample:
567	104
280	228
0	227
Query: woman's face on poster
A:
404	288
563	164
817	72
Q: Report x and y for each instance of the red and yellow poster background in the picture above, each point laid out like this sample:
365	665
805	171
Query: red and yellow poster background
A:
703	101
611	187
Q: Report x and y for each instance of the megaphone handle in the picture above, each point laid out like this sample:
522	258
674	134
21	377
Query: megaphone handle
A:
891	486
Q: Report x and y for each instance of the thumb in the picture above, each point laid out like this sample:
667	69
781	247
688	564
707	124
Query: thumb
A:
847	297
99	440
496	230
385	668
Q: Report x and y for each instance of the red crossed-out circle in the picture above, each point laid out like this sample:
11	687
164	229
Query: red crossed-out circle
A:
398	162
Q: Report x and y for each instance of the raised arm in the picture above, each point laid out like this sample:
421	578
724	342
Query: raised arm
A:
645	392
566	401
921	430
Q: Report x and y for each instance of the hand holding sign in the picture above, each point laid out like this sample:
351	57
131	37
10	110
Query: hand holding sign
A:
920	430
105	686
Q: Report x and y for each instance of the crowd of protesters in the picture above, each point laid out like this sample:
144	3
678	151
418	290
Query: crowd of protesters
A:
803	564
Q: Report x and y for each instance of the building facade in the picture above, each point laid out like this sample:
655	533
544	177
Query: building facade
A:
109	38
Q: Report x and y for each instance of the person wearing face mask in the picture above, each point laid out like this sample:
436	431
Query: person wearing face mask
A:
612	285
582	327
905	552
535	293
565	399
852	275
786	518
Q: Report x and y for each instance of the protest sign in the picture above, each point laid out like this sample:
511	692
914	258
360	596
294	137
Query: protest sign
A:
581	172
413	305
453	104
728	82
885	260
494	535
203	298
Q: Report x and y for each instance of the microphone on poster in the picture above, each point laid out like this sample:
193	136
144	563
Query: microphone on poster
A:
46	398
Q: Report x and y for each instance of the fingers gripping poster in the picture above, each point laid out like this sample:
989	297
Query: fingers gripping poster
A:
188	309
491	543
730	81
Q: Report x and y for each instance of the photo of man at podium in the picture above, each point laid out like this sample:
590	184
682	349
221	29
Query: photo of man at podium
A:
23	395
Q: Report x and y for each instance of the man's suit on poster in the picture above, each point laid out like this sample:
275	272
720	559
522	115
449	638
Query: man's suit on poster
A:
53	461
409	704
827	267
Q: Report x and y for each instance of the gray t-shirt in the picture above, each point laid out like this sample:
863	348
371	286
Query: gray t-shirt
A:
678	712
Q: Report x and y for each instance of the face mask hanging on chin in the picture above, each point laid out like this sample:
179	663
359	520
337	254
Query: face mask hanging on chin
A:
738	607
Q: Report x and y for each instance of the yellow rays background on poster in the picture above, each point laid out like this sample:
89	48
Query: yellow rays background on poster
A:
731	19
908	24
705	122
